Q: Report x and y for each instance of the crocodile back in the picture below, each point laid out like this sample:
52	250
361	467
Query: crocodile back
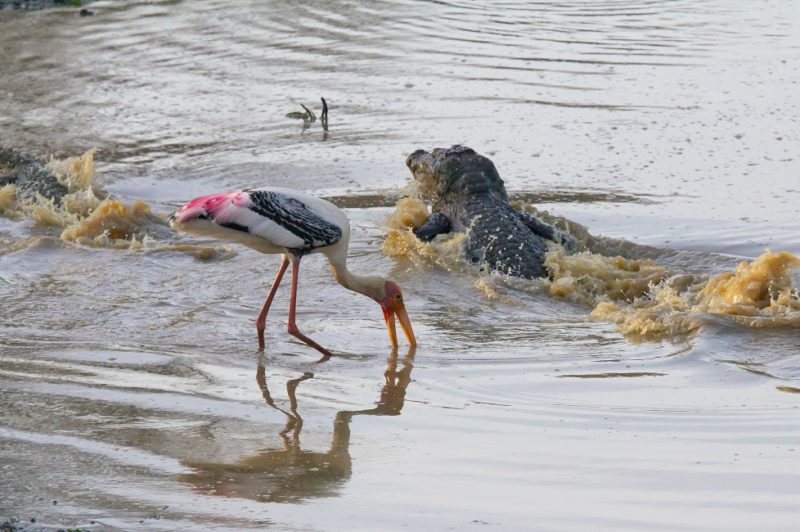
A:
497	238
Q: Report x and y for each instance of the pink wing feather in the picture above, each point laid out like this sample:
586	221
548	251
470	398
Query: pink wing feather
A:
221	208
276	216
234	210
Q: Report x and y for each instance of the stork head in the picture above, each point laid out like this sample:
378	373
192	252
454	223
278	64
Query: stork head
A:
393	305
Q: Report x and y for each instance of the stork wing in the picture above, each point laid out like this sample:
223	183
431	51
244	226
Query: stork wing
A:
295	216
277	217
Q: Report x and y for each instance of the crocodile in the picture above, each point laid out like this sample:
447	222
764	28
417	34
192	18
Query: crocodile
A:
467	195
31	177
31	5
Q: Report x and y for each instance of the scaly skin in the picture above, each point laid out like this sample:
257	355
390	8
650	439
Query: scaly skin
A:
465	190
30	5
497	238
31	177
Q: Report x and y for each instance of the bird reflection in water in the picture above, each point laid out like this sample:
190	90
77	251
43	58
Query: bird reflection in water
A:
290	473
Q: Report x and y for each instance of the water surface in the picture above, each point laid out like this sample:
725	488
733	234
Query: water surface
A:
131	389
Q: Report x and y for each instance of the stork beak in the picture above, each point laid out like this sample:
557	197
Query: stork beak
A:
399	310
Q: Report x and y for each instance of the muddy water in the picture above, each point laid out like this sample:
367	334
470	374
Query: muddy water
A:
132	392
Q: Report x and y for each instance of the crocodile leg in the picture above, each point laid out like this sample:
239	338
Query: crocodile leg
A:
436	224
549	232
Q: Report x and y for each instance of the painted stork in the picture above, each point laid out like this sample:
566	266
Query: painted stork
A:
293	224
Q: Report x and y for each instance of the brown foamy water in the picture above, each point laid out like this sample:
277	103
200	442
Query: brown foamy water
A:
88	220
643	298
651	384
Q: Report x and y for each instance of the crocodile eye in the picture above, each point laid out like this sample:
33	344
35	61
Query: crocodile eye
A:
475	259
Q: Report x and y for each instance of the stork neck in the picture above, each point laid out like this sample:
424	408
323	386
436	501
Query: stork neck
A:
371	286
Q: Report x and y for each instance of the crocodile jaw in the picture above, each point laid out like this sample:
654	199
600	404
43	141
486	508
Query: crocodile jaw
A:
422	168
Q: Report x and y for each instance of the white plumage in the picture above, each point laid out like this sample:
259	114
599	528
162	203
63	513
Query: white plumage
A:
294	224
217	215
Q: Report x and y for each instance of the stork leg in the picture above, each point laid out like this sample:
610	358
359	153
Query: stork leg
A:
261	321
293	330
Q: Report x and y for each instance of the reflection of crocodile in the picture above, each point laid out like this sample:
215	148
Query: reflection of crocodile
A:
31	177
290	473
467	195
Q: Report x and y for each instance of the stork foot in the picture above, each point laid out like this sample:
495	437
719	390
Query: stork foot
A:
294	331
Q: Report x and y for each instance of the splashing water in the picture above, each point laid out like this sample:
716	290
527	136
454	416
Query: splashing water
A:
643	298
76	174
759	294
8	201
443	251
88	217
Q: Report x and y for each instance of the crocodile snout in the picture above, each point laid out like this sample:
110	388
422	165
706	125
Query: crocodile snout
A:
417	159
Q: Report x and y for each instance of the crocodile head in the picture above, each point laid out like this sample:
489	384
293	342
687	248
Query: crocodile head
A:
445	174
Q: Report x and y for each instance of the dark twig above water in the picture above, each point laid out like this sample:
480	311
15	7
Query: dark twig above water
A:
324	118
309	113
308	116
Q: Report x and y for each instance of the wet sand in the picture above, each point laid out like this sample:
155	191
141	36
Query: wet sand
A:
132	390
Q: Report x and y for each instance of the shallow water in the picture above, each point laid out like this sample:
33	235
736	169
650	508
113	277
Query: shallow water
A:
131	391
